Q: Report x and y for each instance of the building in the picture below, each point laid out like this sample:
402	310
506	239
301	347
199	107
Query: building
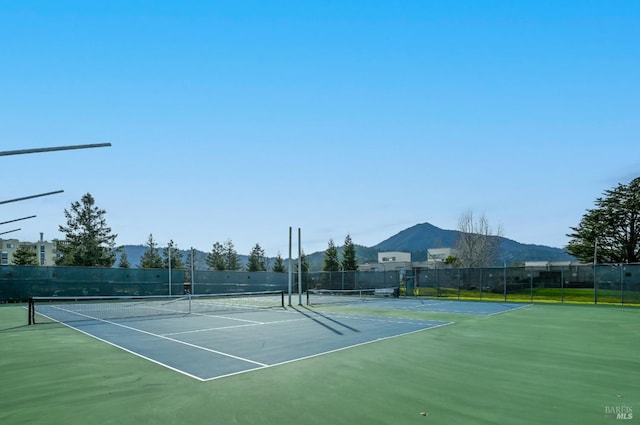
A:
389	260
46	251
440	255
401	260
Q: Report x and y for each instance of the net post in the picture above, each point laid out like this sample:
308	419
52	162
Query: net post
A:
31	312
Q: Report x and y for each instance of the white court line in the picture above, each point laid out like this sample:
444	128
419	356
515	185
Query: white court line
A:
511	309
232	327
334	351
163	337
258	364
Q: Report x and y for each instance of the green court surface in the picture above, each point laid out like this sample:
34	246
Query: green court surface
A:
544	364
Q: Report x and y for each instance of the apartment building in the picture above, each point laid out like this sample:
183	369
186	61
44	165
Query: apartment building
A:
46	251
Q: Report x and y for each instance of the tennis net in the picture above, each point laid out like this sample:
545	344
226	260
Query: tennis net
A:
71	309
337	296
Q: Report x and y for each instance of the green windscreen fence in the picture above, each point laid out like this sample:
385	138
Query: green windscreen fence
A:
602	284
18	283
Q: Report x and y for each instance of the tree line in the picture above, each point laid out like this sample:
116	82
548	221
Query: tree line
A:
607	233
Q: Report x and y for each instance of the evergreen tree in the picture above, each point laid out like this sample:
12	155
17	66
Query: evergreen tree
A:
124	261
305	263
25	255
231	259
215	259
611	230
88	240
176	257
278	265
257	261
349	261
151	258
331	262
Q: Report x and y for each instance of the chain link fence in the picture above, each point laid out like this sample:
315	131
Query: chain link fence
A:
602	284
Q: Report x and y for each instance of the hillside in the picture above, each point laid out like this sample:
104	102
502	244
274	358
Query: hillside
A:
416	239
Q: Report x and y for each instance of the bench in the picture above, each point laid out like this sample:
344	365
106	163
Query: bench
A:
384	292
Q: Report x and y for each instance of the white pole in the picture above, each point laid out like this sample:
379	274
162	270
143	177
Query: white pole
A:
169	269
290	268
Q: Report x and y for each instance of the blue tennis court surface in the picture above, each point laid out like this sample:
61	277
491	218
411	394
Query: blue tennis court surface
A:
210	346
442	306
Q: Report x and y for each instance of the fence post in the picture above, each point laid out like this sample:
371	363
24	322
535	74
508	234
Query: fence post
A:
505	281
561	286
595	285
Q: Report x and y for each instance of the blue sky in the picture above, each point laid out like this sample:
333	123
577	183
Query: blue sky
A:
236	120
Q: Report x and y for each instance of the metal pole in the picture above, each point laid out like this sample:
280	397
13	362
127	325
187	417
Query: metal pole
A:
561	286
169	269
531	283
57	148
595	262
193	267
290	268
17	219
31	197
505	281
621	284
299	267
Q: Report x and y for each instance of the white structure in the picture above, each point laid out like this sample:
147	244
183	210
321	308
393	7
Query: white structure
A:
401	260
440	254
387	261
394	257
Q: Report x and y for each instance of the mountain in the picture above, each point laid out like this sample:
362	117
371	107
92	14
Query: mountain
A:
416	239
419	238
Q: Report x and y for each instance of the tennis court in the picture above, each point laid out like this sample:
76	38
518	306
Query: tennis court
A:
212	337
368	298
539	364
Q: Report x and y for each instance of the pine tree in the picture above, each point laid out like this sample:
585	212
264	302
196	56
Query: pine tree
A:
257	261
124	261
176	257
331	262
278	265
25	255
349	261
151	258
231	260
88	240
215	258
304	261
611	231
